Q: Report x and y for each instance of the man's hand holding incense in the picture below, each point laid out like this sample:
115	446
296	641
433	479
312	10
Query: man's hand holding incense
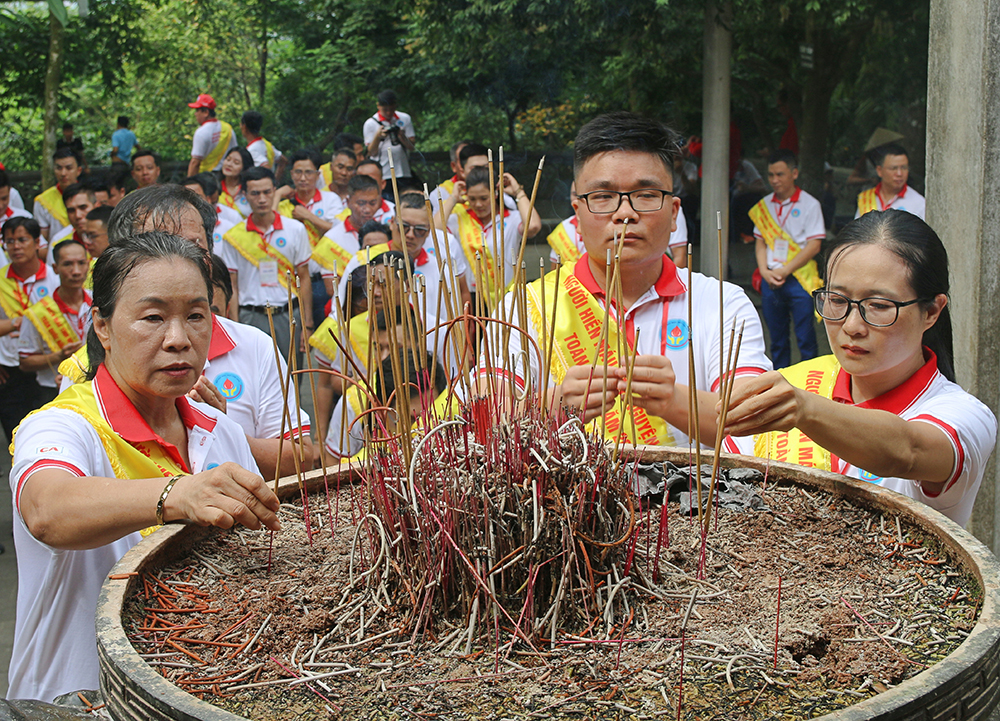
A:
586	381
223	496
652	386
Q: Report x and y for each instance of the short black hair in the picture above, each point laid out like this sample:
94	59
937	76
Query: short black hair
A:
123	121
67	153
387	97
373	226
253	121
412	200
117	178
347	140
346	152
74	189
4	179
57	248
889	149
101	213
478	176
67	125
146	152
206	181
783	155
305	154
369	161
629	132
97	183
471	150
360	184
19	221
455	149
255	173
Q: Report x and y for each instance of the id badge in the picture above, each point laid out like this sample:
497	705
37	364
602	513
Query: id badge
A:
269	273
781	251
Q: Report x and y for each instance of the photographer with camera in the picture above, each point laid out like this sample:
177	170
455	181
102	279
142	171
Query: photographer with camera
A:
389	132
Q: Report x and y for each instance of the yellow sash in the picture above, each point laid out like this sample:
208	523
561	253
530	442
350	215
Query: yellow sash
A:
88	282
51	324
52	201
285	207
816	376
225	198
75	367
269	149
252	247
142	460
13	299
470	233
357	329
577	336
564	244
867	201
343	215
328	253
327	175
807	275
209	162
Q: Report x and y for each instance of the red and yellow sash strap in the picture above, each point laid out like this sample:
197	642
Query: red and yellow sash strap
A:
140	460
868	201
52	201
327	174
331	255
75	367
253	247
13	299
470	233
269	149
209	162
321	340
564	244
807	275
816	376
577	337
51	324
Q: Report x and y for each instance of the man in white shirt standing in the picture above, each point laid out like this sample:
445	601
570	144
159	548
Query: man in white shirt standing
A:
789	231
213	138
389	132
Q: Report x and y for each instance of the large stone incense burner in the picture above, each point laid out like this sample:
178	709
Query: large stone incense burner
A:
963	685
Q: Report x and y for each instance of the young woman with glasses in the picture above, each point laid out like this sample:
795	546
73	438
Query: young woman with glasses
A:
884	407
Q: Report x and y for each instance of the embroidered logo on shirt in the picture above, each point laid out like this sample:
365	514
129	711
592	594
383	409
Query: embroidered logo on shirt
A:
676	334
230	385
866	476
319	213
796	212
43	291
281	242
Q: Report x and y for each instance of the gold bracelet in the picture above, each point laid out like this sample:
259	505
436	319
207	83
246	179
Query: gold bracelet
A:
163	497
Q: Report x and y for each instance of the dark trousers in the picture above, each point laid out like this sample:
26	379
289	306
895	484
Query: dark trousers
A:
790	301
19	395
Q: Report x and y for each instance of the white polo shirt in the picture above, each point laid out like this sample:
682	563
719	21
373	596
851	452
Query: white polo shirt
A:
15	199
925	397
33	288
512	232
386	212
678	238
55	643
908	199
286	235
258	151
344	437
241	365
400	159
46	220
30	341
323	204
800	215
206	137
660	315
343	234
236	203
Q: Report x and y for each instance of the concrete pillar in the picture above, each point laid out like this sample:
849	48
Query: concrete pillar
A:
715	134
963	184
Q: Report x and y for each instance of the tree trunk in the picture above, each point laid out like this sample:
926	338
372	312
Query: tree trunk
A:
262	83
53	76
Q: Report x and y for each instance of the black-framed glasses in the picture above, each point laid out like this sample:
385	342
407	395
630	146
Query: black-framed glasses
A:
644	200
419	231
877	312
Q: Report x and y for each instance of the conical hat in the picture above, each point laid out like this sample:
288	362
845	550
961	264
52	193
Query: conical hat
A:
882	136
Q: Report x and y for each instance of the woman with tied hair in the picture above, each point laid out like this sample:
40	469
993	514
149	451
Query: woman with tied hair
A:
118	454
884	407
231	191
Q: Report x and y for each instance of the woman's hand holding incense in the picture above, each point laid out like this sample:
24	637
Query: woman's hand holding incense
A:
223	496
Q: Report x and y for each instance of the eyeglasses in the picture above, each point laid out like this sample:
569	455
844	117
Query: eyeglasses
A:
877	312
304	173
419	231
645	200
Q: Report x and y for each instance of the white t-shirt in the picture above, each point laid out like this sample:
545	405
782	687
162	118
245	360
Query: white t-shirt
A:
30	341
925	397
908	199
400	160
512	232
241	365
55	642
258	151
36	287
206	137
260	285
660	316
15	199
801	216
678	238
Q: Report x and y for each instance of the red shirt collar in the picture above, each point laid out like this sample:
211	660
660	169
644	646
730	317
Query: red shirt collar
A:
483	225
222	342
385	119
9	212
315	199
128	423
39	274
252	226
899	398
348	226
793	198
65	308
422	257
900	194
668	285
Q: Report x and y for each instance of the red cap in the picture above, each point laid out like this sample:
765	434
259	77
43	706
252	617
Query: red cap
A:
204	101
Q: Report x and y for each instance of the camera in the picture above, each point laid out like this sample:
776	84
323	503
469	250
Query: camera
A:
392	131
